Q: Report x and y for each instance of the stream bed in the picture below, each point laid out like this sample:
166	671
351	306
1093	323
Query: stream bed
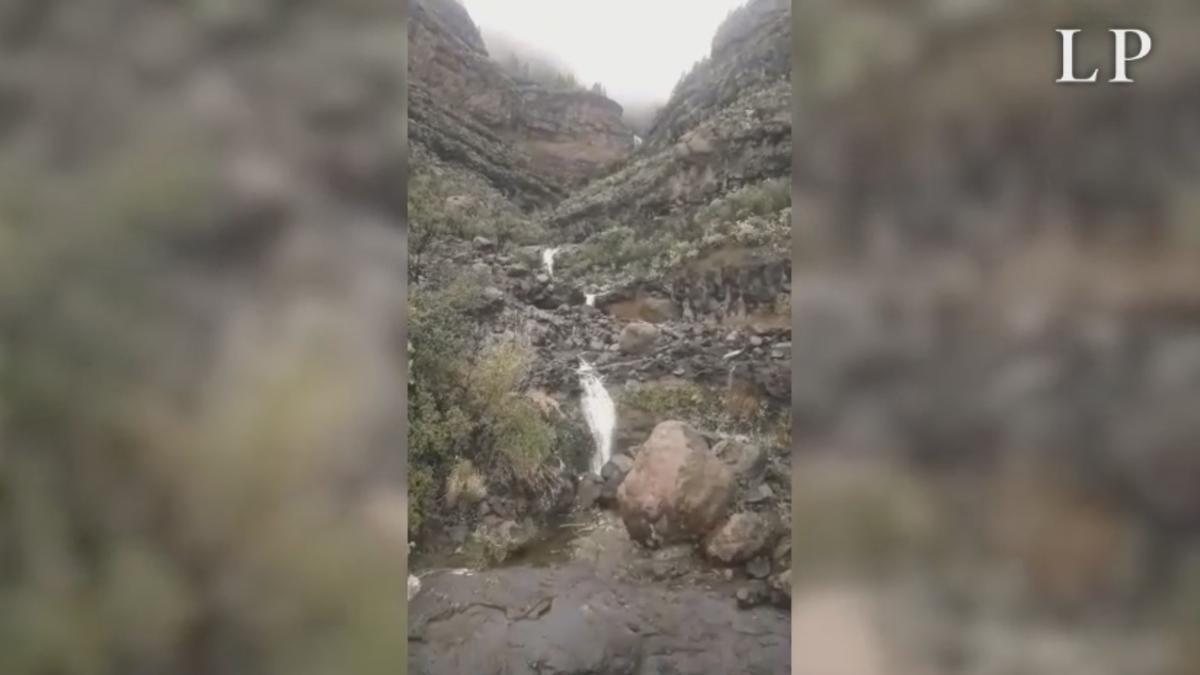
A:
585	599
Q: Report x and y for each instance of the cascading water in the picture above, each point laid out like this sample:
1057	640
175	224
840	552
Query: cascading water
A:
600	413
589	299
548	259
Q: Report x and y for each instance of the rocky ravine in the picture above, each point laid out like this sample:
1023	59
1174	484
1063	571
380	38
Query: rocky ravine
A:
677	556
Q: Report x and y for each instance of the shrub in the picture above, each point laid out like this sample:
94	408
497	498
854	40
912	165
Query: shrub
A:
465	406
465	485
733	410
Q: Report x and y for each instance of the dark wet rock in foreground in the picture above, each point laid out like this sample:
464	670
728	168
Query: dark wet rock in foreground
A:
569	620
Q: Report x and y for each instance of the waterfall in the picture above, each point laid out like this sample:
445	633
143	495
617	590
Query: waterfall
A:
414	586
589	299
600	413
548	259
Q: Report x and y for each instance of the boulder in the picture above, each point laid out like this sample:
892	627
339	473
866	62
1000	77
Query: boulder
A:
758	568
744	458
760	495
677	490
638	337
613	474
781	588
740	538
618	465
752	594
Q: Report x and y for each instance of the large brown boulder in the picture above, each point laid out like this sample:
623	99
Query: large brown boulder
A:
677	489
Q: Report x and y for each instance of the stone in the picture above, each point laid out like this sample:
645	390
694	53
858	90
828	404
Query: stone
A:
676	490
781	351
617	466
758	568
492	297
743	457
752	594
761	494
739	538
782	554
781	587
638	337
622	462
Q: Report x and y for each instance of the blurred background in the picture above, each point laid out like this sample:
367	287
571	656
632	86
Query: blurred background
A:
996	374
202	358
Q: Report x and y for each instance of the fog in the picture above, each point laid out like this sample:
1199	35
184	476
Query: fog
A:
636	50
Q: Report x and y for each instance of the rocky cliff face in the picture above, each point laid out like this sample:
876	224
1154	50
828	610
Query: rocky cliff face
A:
572	134
751	49
530	140
699	217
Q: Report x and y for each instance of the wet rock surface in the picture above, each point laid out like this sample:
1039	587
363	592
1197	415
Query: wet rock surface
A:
603	606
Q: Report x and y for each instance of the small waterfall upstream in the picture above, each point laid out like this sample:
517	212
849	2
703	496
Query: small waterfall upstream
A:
600	413
548	260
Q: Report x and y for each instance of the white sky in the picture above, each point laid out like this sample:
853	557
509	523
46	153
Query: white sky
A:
637	49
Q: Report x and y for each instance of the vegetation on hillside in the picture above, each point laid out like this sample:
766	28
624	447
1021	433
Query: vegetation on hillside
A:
752	216
467	399
444	207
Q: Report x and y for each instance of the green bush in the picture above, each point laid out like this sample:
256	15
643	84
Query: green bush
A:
445	208
715	409
465	403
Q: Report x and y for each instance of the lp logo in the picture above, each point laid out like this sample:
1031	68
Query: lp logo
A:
1121	55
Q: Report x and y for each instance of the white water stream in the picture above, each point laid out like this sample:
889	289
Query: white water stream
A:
548	259
600	413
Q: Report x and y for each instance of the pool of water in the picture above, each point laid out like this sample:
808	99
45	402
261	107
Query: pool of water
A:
554	545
